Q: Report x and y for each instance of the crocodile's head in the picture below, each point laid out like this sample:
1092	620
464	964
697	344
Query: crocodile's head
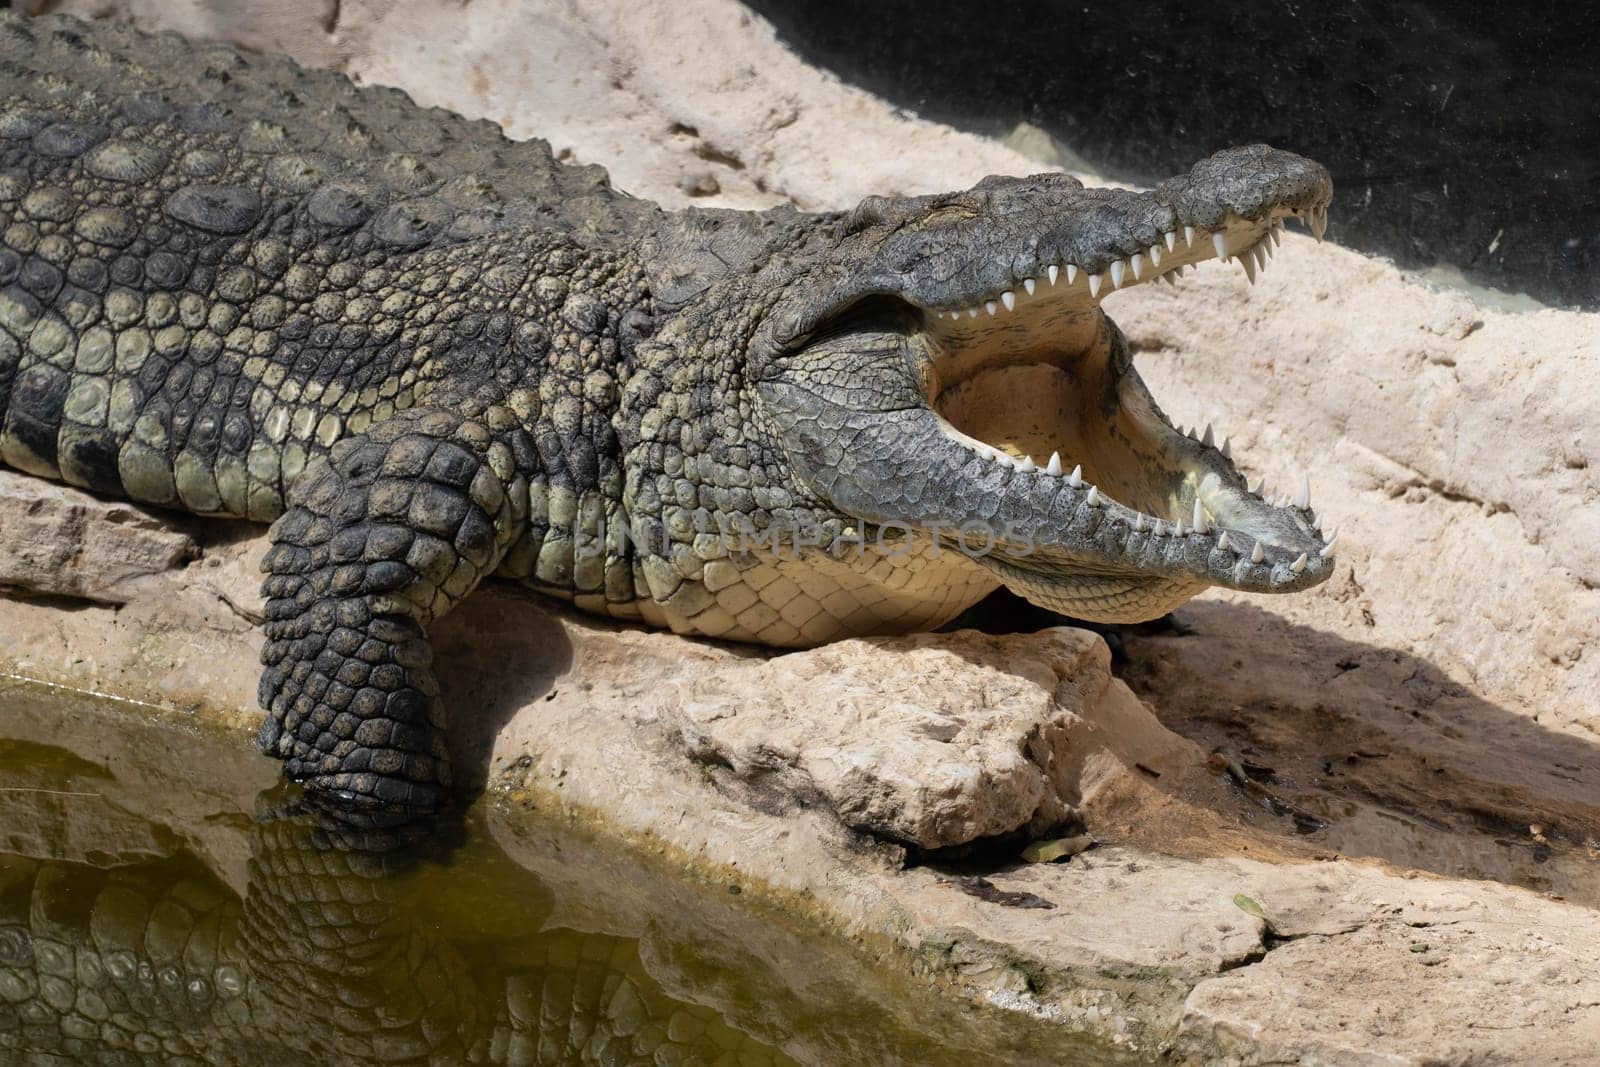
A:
950	367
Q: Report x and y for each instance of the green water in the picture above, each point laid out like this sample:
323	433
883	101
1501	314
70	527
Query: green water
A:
163	900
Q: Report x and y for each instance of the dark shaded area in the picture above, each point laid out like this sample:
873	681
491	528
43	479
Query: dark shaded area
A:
1004	612
1330	745
1461	134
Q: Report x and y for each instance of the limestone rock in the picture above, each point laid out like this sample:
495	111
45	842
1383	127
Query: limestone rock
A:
59	541
930	740
1449	974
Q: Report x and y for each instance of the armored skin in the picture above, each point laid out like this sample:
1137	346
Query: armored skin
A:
428	354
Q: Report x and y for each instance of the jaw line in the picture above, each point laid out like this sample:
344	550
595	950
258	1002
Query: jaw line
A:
963	317
1006	306
1250	542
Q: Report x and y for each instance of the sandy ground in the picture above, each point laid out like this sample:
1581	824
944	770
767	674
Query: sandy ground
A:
1434	706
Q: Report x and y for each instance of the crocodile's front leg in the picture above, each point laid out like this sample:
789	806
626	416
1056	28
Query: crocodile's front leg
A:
382	538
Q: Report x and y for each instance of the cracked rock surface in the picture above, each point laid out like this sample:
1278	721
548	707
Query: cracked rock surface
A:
1396	775
929	740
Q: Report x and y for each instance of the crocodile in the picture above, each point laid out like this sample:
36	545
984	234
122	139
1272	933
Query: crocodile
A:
427	354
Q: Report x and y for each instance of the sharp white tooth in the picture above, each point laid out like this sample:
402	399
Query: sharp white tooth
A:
1117	269
1256	555
1261	254
1051	271
1266	245
1138	523
972	313
1302	499
1327	549
1249	265
1027	286
1094	284
1223	542
1155	255
1137	265
985	451
1319	222
1177	528
1208	440
1188	236
1072	273
1299	563
990	306
1168	278
955	315
1276	232
1171	237
1075	479
1227	448
1267	494
1026	466
1054	467
1093	499
1009	299
1259	486
1199	518
1003	458
1220	243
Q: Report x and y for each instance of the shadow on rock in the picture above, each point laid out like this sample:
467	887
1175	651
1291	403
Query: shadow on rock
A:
494	656
1399	761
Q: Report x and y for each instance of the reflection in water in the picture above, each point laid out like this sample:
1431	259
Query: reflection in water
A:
335	954
155	910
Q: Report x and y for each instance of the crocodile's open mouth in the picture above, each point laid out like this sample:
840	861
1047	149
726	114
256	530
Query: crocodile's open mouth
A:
1027	426
1034	380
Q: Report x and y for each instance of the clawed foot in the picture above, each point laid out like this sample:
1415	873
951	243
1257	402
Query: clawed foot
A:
360	792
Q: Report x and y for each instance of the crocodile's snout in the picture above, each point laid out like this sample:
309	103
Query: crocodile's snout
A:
1020	411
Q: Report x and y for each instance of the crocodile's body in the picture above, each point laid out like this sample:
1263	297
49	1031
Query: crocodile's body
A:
232	286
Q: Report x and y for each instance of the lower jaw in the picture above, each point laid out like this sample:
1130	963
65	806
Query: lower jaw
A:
1101	597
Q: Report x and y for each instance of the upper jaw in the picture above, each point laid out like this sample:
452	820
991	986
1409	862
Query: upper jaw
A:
959	313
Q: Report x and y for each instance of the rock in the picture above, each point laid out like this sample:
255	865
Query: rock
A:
927	740
231	571
1495	972
59	541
